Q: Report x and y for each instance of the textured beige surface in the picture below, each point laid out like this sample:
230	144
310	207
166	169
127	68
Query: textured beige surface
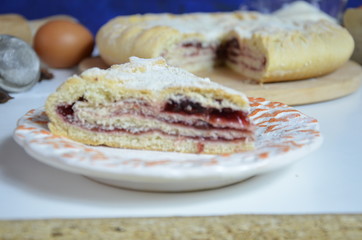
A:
271	227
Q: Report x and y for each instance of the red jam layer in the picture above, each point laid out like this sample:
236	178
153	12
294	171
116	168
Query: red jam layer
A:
214	115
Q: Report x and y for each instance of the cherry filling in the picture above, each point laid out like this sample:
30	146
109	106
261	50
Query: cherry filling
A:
65	110
224	115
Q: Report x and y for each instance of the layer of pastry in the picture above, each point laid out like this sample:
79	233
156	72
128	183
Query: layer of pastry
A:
287	46
155	141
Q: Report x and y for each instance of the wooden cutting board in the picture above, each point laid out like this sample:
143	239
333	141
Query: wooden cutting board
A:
342	82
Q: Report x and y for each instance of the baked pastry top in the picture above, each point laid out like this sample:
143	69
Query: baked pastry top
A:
264	47
147	104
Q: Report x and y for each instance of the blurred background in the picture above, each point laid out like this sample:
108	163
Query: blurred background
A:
94	13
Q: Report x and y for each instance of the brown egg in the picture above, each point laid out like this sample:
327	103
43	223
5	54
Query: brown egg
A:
63	43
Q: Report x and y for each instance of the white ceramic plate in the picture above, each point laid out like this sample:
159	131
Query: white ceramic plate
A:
284	135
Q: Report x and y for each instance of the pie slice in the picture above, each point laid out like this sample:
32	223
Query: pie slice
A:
147	104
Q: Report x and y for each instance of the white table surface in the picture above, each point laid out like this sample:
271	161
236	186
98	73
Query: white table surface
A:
328	180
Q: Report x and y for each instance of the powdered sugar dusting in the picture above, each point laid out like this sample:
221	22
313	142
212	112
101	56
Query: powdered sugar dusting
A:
273	25
153	74
215	27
